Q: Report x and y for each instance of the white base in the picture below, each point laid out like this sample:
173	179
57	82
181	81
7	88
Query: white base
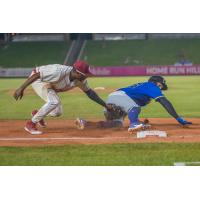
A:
187	164
144	134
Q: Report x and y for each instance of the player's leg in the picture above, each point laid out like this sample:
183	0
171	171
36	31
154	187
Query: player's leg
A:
118	98
133	115
41	90
53	101
135	124
82	124
58	111
129	106
110	122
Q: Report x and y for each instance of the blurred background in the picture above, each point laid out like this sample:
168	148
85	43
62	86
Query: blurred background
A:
110	54
126	57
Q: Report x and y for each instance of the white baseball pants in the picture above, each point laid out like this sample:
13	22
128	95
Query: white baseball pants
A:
52	107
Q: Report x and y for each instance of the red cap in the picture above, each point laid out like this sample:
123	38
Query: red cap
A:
82	66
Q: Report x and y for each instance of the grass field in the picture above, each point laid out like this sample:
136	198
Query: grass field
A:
183	93
30	54
101	155
154	52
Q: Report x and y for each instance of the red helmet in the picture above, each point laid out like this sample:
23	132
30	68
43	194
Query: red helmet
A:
82	67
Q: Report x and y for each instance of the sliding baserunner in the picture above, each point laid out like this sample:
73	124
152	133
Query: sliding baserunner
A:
128	101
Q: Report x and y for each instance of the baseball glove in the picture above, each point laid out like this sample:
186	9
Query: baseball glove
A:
115	112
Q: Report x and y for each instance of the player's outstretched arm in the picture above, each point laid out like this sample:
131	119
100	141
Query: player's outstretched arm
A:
18	94
94	96
170	109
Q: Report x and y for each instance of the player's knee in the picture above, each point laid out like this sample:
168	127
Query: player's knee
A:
111	124
56	113
54	103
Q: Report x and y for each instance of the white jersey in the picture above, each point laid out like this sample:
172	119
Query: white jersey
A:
57	77
53	79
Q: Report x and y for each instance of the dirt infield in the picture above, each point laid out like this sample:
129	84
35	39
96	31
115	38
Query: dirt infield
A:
61	132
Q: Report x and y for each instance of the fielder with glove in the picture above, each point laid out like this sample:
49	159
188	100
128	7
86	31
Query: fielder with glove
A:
128	101
47	81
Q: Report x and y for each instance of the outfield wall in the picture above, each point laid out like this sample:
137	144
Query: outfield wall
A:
15	72
146	70
164	70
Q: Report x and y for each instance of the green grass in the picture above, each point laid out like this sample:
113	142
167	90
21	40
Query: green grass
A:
183	93
141	52
101	155
30	54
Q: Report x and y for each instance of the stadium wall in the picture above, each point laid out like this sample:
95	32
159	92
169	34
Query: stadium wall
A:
146	70
165	70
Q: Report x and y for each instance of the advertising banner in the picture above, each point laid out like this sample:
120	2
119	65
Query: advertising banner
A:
146	70
165	70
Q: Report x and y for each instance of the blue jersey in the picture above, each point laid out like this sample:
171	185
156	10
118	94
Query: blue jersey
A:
142	93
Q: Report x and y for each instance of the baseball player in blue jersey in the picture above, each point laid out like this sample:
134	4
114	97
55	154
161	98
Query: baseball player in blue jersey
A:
128	101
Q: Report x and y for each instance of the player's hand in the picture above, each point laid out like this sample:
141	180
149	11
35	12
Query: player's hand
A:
182	121
18	94
109	107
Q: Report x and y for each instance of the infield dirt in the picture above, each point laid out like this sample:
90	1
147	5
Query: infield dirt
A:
59	132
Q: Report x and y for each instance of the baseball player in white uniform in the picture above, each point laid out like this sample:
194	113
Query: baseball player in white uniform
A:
47	81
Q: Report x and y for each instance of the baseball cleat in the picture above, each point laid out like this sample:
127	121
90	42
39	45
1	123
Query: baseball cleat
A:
134	127
41	123
80	123
31	128
146	126
138	126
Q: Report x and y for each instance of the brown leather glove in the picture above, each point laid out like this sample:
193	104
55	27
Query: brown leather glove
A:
114	112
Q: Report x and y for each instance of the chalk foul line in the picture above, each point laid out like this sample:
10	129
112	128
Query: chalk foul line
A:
64	138
89	138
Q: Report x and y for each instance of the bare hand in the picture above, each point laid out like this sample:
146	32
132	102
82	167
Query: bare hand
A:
18	94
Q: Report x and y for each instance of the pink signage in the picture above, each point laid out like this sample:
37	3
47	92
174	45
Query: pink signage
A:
146	70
